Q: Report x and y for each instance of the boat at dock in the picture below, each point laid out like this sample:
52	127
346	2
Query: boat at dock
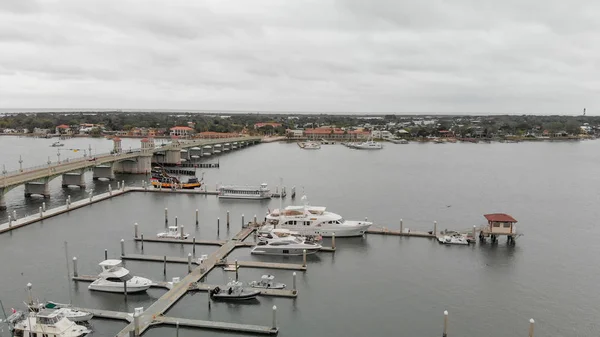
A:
399	141
313	220
367	145
309	145
173	232
161	179
277	233
46	322
286	246
71	314
113	277
453	239
244	192
234	291
57	144
267	282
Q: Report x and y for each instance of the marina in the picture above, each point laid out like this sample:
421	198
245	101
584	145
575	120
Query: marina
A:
385	238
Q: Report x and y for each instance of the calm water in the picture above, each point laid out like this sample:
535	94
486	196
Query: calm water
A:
371	286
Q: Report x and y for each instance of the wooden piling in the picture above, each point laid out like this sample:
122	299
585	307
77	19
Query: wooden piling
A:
75	274
333	241
401	225
435	228
106	254
242	220
165	265
218	226
122	247
9	221
304	258
531	324
274	326
44	206
189	263
236	270
176	221
125	290
41	213
227	219
194	245
208	297
445	334
180	230
135	230
294	282
166	216
142	237
197	217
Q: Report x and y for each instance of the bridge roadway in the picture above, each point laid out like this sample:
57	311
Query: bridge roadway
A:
15	178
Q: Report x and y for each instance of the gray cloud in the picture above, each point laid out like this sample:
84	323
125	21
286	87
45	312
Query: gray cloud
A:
345	55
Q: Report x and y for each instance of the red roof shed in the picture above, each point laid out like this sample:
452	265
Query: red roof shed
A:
499	217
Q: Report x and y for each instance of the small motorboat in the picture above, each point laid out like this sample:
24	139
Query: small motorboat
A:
57	144
267	282
173	233
113	276
234	291
454	239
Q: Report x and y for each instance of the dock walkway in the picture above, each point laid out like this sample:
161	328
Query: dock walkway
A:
385	231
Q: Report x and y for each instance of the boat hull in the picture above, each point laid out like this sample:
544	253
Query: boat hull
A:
135	285
358	229
261	250
247	197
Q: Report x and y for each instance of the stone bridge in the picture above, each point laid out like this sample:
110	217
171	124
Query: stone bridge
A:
138	161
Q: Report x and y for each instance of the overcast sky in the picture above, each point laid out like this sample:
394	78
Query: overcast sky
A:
501	56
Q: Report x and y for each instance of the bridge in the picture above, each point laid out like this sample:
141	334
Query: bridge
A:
104	166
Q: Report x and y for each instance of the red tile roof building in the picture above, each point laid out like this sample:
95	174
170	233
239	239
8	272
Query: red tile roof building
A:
182	131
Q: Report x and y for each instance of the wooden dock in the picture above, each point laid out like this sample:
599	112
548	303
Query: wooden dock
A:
173	191
385	231
194	323
225	326
30	219
187	241
263	292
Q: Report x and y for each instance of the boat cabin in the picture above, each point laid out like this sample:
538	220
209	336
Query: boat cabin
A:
500	223
49	316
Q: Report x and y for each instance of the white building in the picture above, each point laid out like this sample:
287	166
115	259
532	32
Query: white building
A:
181	131
381	134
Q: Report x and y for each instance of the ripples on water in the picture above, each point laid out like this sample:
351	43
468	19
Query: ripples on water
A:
375	285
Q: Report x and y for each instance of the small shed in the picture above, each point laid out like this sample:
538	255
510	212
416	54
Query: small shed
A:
501	223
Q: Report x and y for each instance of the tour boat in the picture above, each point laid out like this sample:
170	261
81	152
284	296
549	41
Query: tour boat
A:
235	292
160	178
267	282
173	233
286	246
310	145
313	220
113	276
245	192
46	322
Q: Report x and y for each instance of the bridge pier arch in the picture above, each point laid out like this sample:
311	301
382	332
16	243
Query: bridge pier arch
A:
37	187
3	191
73	179
104	171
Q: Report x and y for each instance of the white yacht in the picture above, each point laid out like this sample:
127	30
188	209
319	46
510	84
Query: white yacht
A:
66	310
113	276
368	145
313	220
46	322
244	192
277	233
173	232
311	146
286	246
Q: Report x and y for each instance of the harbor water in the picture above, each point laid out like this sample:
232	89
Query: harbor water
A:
371	286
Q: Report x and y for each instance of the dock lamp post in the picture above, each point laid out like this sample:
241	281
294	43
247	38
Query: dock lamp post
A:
20	164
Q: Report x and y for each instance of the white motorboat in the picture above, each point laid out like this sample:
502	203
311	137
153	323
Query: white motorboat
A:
282	233
311	146
113	277
46	322
235	292
266	282
313	220
368	145
71	314
57	144
244	192
399	141
173	232
287	246
455	239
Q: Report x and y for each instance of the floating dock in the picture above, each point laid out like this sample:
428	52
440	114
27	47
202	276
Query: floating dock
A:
187	241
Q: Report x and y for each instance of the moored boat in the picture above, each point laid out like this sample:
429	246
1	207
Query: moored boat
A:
46	322
233	291
173	232
244	192
113	277
267	282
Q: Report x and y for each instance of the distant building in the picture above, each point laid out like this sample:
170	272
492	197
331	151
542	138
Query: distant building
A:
216	135
260	125
181	131
295	133
40	131
63	129
381	134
